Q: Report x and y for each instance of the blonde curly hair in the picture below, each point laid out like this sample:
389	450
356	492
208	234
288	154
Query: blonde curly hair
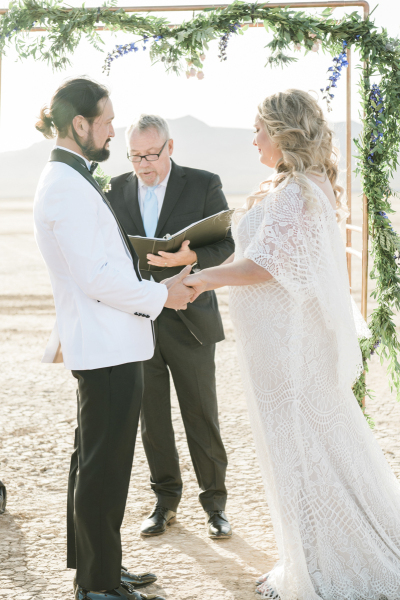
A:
295	123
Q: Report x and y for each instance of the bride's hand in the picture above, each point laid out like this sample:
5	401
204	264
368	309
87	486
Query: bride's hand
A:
196	282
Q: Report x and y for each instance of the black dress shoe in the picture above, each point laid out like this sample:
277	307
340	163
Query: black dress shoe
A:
218	525
3	498
124	591
83	594
137	579
128	591
132	579
157	522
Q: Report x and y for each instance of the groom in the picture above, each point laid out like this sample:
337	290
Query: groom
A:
104	330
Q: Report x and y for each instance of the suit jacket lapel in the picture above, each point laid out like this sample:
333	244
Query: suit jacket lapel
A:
131	198
175	186
58	155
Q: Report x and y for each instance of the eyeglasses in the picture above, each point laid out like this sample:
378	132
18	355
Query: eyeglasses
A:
135	158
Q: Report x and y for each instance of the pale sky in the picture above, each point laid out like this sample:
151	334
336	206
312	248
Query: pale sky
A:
226	97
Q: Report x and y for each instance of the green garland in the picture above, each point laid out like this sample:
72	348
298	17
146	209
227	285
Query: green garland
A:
185	44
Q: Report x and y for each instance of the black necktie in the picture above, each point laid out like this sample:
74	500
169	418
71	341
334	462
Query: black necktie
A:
93	167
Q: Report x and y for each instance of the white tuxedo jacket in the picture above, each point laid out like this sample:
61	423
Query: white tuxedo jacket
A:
96	290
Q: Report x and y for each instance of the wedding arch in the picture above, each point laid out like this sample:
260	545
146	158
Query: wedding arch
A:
181	48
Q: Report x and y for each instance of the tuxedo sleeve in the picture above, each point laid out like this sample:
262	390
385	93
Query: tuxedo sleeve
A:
215	254
72	213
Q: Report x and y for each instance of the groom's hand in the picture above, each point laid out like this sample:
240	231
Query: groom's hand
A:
178	294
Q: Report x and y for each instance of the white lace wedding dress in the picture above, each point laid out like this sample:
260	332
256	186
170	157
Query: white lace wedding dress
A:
334	501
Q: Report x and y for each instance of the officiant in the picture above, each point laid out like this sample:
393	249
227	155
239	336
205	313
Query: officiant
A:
155	199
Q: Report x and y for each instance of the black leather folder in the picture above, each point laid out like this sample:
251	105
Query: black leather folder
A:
202	233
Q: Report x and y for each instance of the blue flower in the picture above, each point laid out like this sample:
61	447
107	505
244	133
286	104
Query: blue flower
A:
340	62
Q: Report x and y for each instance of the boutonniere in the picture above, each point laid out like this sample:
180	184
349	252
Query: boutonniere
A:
102	179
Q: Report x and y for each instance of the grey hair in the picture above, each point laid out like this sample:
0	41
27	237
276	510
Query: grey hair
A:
146	122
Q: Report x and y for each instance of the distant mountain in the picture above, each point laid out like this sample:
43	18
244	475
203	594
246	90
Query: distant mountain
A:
226	151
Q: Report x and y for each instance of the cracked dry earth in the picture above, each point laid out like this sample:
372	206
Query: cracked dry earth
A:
37	420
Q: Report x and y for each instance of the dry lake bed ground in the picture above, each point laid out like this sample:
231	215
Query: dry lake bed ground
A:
37	421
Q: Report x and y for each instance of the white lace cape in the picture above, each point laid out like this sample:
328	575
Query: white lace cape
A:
303	250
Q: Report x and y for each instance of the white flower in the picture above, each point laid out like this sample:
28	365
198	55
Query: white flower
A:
200	75
192	72
315	48
188	74
202	57
312	35
297	47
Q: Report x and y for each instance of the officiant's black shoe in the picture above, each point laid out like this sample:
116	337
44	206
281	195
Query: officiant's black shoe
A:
157	522
3	498
138	580
218	526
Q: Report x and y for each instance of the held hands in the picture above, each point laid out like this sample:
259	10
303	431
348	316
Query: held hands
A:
184	256
178	294
197	284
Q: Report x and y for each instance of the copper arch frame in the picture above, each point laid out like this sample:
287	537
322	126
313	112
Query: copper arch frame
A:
335	4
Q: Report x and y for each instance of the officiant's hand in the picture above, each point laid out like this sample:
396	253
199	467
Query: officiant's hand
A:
197	283
184	256
178	294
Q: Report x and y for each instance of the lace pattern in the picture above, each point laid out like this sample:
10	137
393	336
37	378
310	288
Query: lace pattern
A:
334	501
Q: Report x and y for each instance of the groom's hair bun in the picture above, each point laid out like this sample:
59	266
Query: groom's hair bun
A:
79	96
45	124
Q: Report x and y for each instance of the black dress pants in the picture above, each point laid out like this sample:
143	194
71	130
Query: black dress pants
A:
192	367
109	402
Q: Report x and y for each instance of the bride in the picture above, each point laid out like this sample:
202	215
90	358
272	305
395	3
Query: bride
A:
334	502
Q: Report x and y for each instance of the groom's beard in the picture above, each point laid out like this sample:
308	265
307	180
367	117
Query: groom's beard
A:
90	150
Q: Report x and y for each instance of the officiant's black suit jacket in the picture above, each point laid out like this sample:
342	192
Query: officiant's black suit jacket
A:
191	195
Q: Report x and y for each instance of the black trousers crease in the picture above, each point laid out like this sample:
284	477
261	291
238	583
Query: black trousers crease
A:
192	367
109	401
